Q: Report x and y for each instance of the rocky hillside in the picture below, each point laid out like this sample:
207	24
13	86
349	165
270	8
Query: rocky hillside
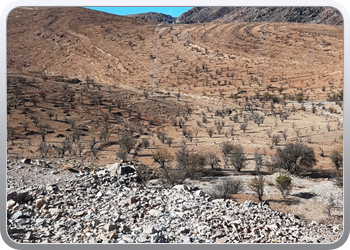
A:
319	15
105	206
155	17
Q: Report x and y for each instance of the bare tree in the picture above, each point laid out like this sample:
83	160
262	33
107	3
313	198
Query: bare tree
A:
212	160
227	148
257	185
258	160
238	158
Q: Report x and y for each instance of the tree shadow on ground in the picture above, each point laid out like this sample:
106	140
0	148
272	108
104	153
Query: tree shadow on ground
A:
305	195
317	174
285	201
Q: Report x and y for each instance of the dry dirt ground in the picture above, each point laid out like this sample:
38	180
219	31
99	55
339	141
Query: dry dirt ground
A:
138	77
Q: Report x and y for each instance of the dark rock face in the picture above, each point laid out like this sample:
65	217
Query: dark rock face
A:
319	15
155	17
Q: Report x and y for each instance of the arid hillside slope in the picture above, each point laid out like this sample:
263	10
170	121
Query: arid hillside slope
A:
81	43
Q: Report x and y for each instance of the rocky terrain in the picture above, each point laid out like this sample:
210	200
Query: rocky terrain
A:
320	15
155	17
111	206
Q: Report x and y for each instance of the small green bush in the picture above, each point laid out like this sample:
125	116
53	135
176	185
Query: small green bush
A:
284	184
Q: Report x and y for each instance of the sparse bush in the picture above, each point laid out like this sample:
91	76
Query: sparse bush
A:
172	176
122	154
144	143
196	162
243	127
221	189
284	134
284	184
275	139
144	172
258	161
161	136
299	98
237	157
330	205
162	157
210	131
257	185
169	141
181	122
338	177
43	148
337	159
127	142
212	160
226	148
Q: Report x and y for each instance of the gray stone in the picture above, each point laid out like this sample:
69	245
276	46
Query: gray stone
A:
17	215
40	222
110	227
186	239
199	193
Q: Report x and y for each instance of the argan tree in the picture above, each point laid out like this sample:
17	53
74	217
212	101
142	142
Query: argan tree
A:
127	142
212	160
162	157
238	158
257	185
295	157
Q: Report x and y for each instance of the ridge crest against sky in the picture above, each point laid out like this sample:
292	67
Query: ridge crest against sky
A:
172	11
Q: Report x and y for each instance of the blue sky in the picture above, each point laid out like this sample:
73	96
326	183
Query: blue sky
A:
173	11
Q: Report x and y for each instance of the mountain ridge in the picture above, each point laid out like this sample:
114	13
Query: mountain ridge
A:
319	15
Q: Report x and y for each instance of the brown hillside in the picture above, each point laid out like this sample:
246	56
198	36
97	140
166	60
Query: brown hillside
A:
112	49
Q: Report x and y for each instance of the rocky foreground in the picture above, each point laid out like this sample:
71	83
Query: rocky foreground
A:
113	207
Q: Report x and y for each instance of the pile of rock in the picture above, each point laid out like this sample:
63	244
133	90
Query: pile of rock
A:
113	207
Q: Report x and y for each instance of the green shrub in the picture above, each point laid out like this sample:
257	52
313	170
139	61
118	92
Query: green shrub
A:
299	98
284	184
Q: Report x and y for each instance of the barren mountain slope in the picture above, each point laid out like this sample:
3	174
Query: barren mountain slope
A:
155	17
122	50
